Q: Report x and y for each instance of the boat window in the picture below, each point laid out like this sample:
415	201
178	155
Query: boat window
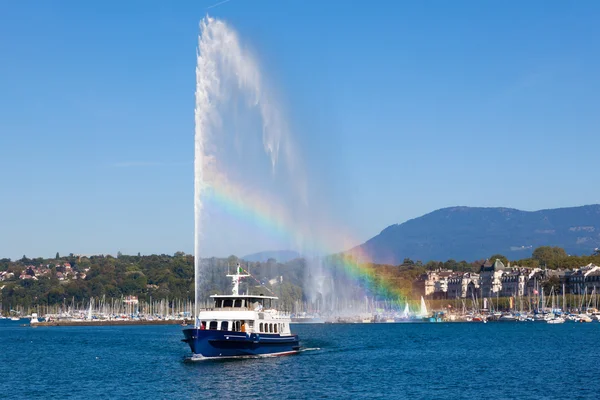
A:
260	327
271	328
213	325
224	325
238	303
228	303
251	324
275	327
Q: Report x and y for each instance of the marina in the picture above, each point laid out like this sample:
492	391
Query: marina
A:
551	309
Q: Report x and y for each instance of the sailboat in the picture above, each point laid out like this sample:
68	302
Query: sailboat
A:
423	313
406	312
89	313
552	317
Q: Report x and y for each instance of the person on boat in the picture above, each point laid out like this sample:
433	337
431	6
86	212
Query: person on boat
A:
202	325
243	326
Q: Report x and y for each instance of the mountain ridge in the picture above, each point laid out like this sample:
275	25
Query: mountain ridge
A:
471	233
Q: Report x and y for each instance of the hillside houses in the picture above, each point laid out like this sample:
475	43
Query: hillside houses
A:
63	272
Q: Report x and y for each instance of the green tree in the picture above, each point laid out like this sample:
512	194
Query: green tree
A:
451	264
57	256
431	265
549	256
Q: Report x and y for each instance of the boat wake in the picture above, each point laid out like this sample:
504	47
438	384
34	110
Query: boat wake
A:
196	358
310	349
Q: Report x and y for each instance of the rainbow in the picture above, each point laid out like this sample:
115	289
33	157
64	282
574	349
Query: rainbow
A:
268	216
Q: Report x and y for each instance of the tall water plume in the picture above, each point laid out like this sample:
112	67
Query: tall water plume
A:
227	73
246	166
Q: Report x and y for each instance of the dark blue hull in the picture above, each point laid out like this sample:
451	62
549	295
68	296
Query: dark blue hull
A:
213	343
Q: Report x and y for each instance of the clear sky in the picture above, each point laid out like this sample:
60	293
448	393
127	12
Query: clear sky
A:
398	109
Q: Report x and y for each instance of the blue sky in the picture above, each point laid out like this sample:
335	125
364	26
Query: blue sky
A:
398	109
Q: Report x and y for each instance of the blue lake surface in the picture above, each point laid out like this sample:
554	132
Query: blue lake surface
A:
428	361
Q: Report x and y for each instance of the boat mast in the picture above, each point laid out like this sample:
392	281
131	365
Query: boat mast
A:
236	279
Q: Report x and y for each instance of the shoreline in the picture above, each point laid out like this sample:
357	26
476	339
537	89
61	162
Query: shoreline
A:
107	323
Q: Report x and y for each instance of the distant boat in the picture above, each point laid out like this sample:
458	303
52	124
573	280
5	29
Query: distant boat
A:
423	313
406	312
508	317
584	318
15	318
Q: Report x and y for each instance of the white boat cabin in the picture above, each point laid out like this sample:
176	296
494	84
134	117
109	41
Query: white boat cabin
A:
244	313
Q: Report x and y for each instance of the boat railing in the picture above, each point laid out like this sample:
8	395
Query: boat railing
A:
275	314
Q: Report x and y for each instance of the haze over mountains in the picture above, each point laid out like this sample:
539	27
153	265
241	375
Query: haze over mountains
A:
472	233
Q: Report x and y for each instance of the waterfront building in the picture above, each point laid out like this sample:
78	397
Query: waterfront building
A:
490	278
584	280
428	285
513	282
465	285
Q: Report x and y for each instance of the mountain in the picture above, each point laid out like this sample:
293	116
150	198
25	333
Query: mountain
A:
281	256
472	233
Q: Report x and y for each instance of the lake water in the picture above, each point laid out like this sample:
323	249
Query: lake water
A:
494	360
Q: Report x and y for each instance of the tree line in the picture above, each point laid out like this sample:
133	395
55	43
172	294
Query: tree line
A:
172	277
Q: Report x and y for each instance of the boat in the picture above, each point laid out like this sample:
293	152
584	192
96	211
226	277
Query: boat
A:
34	319
15	318
423	313
556	320
508	317
240	326
584	318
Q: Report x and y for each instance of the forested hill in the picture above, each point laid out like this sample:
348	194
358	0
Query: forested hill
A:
471	233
